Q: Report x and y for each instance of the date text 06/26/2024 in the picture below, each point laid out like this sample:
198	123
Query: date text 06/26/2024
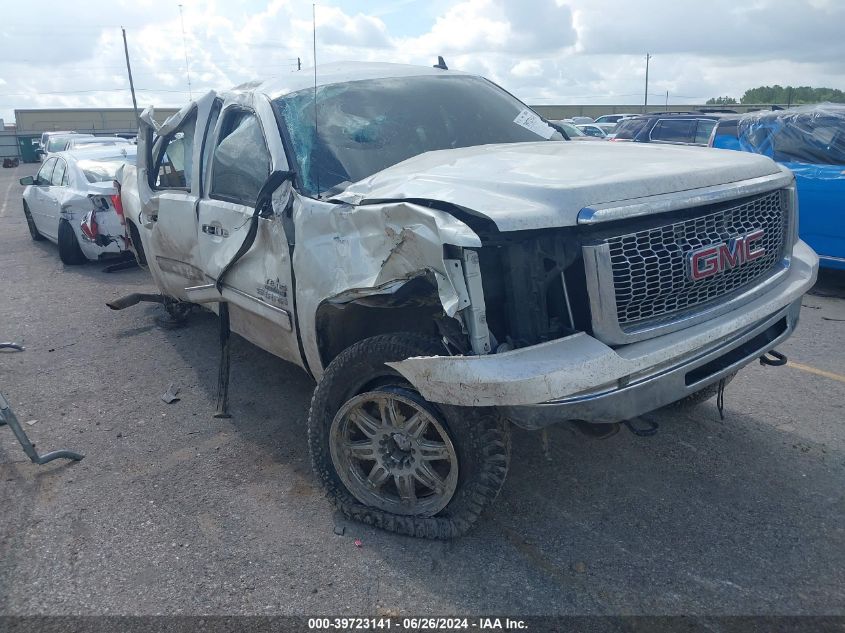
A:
415	624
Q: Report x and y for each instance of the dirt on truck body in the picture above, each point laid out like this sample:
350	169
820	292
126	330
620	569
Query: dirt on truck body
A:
444	263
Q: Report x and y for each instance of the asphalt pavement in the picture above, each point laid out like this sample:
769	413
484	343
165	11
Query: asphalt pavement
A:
175	512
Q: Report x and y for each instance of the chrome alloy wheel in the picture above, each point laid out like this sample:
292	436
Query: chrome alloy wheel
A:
392	452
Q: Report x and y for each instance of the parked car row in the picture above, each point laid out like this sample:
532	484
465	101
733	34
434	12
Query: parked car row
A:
809	140
682	128
55	142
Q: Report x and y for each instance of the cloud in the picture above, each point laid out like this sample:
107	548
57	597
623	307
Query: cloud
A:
543	51
805	30
539	26
336	28
500	26
527	68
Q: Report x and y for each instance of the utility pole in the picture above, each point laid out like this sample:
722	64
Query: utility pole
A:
645	99
185	47
298	63
129	70
667	99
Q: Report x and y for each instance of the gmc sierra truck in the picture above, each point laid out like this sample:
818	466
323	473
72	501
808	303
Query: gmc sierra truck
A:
445	264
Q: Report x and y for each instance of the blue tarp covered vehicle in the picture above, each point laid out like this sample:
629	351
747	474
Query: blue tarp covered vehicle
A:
809	140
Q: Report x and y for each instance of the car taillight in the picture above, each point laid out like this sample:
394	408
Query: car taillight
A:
117	204
89	226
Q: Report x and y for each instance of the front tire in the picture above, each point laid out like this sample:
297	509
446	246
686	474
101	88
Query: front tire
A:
69	250
30	223
387	457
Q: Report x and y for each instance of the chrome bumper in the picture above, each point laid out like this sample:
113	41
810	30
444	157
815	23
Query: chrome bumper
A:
578	377
666	386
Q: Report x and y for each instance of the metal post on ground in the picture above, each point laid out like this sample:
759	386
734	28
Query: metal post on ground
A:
7	417
223	373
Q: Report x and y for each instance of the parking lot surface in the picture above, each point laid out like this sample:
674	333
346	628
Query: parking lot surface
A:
175	512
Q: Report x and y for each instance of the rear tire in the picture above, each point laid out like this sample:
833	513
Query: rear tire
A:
476	441
30	223
69	250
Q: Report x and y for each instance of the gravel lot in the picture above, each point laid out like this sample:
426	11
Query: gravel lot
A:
173	511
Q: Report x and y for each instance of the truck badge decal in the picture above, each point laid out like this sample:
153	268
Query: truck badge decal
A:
711	260
273	291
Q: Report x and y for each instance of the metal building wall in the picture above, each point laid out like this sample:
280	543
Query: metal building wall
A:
93	120
8	144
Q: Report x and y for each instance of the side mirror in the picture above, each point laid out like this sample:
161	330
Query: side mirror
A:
27	180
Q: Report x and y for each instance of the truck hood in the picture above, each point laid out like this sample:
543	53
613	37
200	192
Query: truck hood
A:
523	186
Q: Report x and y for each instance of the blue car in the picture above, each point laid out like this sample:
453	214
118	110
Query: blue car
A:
810	141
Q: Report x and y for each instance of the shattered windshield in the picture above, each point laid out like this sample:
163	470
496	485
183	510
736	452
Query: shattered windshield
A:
366	126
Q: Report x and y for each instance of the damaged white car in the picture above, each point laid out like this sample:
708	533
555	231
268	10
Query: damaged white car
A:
445	265
72	201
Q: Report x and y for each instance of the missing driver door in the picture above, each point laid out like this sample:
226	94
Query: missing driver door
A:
258	286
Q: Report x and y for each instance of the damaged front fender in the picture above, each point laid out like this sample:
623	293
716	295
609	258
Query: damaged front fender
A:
344	253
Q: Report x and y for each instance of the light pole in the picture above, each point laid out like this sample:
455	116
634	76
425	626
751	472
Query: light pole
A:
129	72
645	99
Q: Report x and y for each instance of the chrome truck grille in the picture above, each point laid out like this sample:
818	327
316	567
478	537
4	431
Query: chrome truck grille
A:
643	281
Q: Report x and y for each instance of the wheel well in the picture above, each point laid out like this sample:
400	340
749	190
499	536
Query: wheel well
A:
414	308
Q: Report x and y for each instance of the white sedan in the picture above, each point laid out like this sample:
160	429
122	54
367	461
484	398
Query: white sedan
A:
73	202
591	129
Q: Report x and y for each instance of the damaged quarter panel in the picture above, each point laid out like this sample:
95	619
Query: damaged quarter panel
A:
74	206
345	252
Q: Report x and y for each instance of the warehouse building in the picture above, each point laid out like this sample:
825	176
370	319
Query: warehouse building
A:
92	120
30	124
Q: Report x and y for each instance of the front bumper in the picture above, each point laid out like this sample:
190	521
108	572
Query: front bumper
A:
578	377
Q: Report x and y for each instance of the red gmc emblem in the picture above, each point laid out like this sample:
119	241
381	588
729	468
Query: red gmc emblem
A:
711	260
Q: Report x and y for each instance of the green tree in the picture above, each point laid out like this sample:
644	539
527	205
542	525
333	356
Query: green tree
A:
792	95
721	101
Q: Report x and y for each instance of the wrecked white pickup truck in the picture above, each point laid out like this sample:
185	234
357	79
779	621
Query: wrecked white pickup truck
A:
444	264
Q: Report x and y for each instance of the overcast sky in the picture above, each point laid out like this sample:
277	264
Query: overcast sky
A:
65	54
